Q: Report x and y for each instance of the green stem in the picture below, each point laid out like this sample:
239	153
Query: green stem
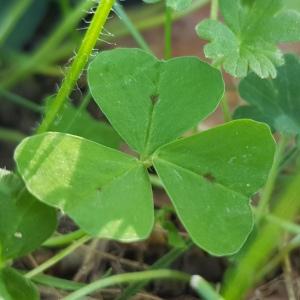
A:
214	8
168	33
163	262
204	289
288	277
41	60
226	109
21	101
10	135
263	206
275	261
118	8
63	240
58	283
11	18
286	225
127	278
46	50
56	258
244	274
156	182
79	63
289	157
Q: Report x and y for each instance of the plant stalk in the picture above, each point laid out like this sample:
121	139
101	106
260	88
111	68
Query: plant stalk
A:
64	239
56	258
21	101
78	64
118	8
263	206
127	278
11	136
244	274
168	33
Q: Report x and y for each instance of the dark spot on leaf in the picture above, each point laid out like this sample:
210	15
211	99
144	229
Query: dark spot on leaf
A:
151	170
154	98
209	177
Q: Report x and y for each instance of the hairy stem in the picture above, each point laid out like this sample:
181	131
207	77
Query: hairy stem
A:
46	50
79	63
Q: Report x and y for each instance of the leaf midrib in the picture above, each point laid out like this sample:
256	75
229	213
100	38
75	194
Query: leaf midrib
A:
201	175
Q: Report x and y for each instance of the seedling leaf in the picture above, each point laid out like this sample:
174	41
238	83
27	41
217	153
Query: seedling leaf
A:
248	39
277	101
99	187
210	177
151	102
13	286
24	222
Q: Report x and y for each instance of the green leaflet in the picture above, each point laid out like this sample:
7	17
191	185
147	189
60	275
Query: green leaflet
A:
100	188
248	39
293	4
82	124
13	286
210	177
136	92
20	215
277	101
174	4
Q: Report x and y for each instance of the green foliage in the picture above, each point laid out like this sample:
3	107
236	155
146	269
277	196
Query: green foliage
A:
100	188
13	286
20	215
209	176
136	92
82	124
225	165
276	101
174	4
248	39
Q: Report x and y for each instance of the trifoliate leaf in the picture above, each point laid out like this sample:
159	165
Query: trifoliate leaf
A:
210	177
274	101
174	4
99	187
248	39
25	223
151	102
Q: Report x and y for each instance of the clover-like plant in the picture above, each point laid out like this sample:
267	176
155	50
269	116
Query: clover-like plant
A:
20	215
150	103
274	101
248	39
